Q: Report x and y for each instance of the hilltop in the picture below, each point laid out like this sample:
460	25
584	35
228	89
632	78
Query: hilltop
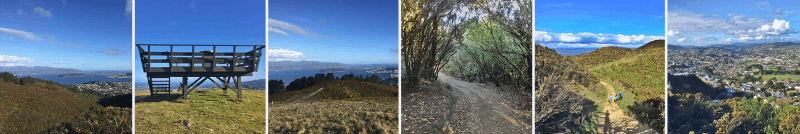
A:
335	106
207	112
547	60
34	105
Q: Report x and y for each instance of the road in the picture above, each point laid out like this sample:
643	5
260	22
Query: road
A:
480	109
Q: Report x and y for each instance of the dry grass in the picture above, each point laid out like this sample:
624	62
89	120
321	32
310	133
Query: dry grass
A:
362	116
208	112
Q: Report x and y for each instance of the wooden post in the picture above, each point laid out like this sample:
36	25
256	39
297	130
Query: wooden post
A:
185	87
239	87
191	67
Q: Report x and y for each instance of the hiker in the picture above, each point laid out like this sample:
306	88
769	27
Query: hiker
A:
615	99
620	95
609	98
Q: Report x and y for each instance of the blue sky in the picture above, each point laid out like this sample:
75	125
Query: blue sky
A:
201	22
351	32
592	24
87	35
706	22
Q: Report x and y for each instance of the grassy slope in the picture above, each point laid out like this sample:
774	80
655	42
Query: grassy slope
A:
344	106
643	75
208	111
37	107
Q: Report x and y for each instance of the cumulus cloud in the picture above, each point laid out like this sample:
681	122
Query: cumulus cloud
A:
277	54
19	12
111	50
681	39
766	31
21	34
278	27
592	39
8	60
42	12
738	26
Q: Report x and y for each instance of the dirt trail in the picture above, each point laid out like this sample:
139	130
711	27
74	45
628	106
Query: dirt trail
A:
481	110
614	120
304	97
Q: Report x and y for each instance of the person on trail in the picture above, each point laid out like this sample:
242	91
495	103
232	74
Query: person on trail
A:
615	99
620	95
609	98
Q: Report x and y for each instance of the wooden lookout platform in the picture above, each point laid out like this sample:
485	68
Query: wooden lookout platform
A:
203	62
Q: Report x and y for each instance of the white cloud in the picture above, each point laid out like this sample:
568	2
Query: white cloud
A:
591	39
8	60
59	62
766	31
128	7
740	27
19	12
42	12
111	50
275	30
52	40
22	34
681	39
277	54
278	27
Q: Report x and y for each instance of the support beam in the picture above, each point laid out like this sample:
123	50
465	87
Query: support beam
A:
239	87
184	86
215	82
198	85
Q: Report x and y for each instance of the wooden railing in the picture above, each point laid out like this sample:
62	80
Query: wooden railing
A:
242	61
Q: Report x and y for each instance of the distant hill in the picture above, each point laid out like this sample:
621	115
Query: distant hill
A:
653	44
547	60
573	51
259	84
289	65
340	90
17	70
602	55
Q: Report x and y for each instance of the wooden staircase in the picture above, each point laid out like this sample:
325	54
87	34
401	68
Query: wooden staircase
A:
159	84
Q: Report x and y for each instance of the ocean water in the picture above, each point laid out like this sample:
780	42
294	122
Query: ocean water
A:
289	75
75	80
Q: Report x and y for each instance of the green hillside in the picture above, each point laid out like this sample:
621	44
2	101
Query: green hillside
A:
642	73
32	105
335	106
550	63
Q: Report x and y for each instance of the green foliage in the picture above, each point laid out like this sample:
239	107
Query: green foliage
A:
491	55
643	75
550	63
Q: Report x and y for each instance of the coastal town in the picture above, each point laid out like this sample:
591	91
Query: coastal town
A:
117	75
768	71
107	88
